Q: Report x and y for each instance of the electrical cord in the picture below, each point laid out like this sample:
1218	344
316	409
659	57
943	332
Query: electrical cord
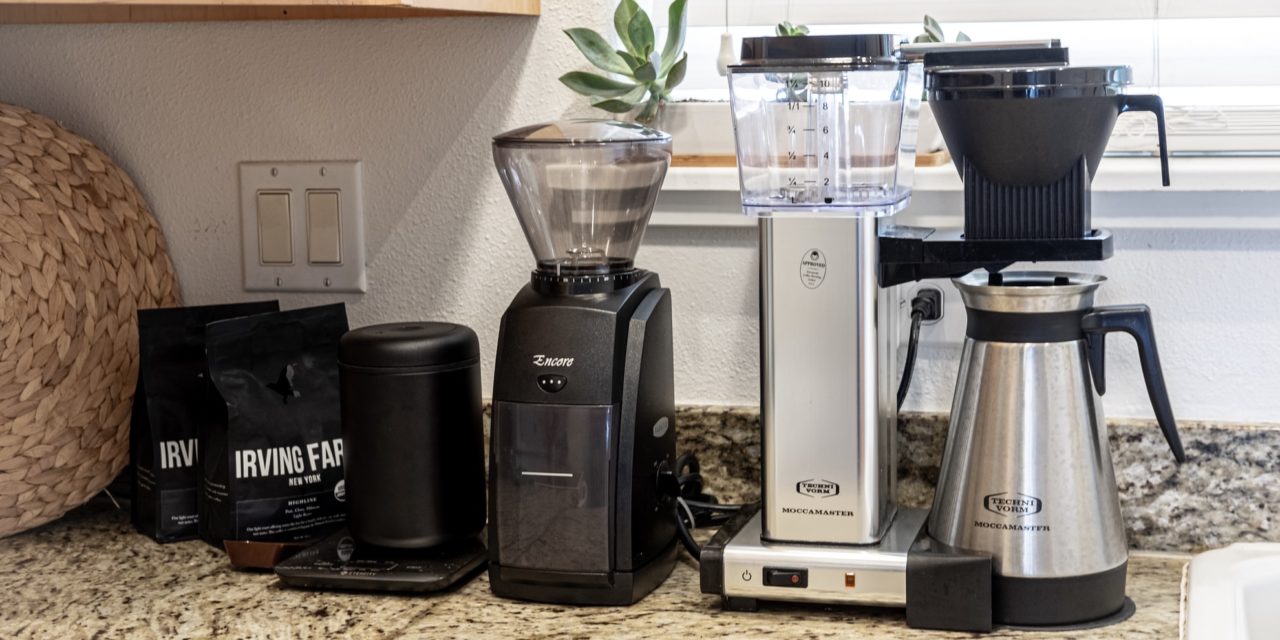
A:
921	307
682	529
693	507
917	318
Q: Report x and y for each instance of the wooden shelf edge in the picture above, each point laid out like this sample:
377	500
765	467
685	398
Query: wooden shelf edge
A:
59	12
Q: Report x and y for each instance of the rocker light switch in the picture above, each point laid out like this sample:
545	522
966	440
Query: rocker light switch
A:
302	226
324	235
275	233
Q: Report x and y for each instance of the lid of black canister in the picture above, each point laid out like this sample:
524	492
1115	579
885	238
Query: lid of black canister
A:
410	344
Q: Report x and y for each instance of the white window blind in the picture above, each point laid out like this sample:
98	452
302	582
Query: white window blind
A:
1216	63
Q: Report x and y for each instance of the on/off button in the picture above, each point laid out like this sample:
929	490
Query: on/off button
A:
794	578
552	382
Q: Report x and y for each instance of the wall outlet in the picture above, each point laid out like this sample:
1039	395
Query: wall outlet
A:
302	225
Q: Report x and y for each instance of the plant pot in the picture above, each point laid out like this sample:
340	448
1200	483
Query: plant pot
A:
929	138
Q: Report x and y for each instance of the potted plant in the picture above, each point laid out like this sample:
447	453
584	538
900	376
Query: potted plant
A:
638	76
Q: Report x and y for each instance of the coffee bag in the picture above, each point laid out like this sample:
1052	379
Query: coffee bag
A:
168	415
272	467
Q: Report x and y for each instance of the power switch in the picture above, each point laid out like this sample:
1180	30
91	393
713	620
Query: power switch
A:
275	228
552	382
324	235
797	578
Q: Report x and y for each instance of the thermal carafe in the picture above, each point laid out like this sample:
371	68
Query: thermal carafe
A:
1026	474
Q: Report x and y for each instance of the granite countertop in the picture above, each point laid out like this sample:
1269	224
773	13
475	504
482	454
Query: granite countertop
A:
89	575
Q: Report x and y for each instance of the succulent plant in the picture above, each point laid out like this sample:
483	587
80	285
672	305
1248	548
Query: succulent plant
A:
785	28
933	32
637	74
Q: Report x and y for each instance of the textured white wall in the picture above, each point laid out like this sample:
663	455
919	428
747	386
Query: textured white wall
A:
417	100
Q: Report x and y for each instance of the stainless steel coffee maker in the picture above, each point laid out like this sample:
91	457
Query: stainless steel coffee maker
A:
825	131
1027	475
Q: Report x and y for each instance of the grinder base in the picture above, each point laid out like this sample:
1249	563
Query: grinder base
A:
616	588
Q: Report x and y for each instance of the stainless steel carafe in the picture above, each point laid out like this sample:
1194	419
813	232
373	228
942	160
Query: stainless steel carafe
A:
1027	475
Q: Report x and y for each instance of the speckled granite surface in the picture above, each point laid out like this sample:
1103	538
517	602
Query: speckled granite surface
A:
1227	491
89	576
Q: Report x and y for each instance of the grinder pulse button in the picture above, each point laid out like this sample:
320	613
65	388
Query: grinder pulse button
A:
798	578
552	382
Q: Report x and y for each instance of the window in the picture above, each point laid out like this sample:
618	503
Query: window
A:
1216	63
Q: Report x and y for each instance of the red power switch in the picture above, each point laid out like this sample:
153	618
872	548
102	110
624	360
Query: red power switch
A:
796	578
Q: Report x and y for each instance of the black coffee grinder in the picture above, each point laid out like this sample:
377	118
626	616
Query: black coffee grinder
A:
583	403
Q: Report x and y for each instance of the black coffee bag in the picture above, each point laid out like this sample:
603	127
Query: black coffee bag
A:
272	469
168	415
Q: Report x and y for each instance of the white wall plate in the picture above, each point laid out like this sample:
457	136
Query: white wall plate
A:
303	272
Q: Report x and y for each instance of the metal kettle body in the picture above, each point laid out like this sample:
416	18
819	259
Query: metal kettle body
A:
1026	474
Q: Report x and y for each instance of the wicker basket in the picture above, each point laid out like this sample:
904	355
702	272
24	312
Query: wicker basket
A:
80	253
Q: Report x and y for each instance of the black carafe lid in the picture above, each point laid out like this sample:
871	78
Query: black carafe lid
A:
410	344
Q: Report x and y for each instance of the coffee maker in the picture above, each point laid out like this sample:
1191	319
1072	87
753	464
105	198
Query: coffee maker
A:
825	129
583	400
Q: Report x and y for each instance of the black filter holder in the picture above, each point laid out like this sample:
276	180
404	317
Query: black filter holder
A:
1052	211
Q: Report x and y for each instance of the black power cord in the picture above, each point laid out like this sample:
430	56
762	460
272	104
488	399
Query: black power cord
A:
693	507
927	305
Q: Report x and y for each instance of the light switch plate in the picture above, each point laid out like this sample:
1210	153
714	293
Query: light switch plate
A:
296	179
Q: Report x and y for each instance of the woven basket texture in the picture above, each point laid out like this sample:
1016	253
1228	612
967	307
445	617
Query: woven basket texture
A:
80	253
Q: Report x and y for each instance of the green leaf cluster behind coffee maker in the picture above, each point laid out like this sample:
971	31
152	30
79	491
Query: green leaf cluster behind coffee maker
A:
272	469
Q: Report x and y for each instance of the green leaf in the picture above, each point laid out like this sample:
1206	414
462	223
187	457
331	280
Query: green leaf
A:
632	61
640	30
635	96
676	76
598	52
934	29
590	84
646	72
924	37
613	105
785	28
963	37
622	18
676	24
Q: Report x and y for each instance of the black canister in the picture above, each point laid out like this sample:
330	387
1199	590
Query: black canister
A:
412	434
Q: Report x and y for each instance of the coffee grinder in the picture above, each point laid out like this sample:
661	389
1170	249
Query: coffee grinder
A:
825	129
583	401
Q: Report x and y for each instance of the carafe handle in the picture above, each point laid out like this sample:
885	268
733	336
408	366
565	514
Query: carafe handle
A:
1153	104
1134	320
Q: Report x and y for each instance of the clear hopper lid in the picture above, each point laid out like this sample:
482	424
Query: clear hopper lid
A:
583	190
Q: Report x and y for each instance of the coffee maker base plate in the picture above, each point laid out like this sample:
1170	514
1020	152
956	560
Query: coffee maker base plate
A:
744	567
338	562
